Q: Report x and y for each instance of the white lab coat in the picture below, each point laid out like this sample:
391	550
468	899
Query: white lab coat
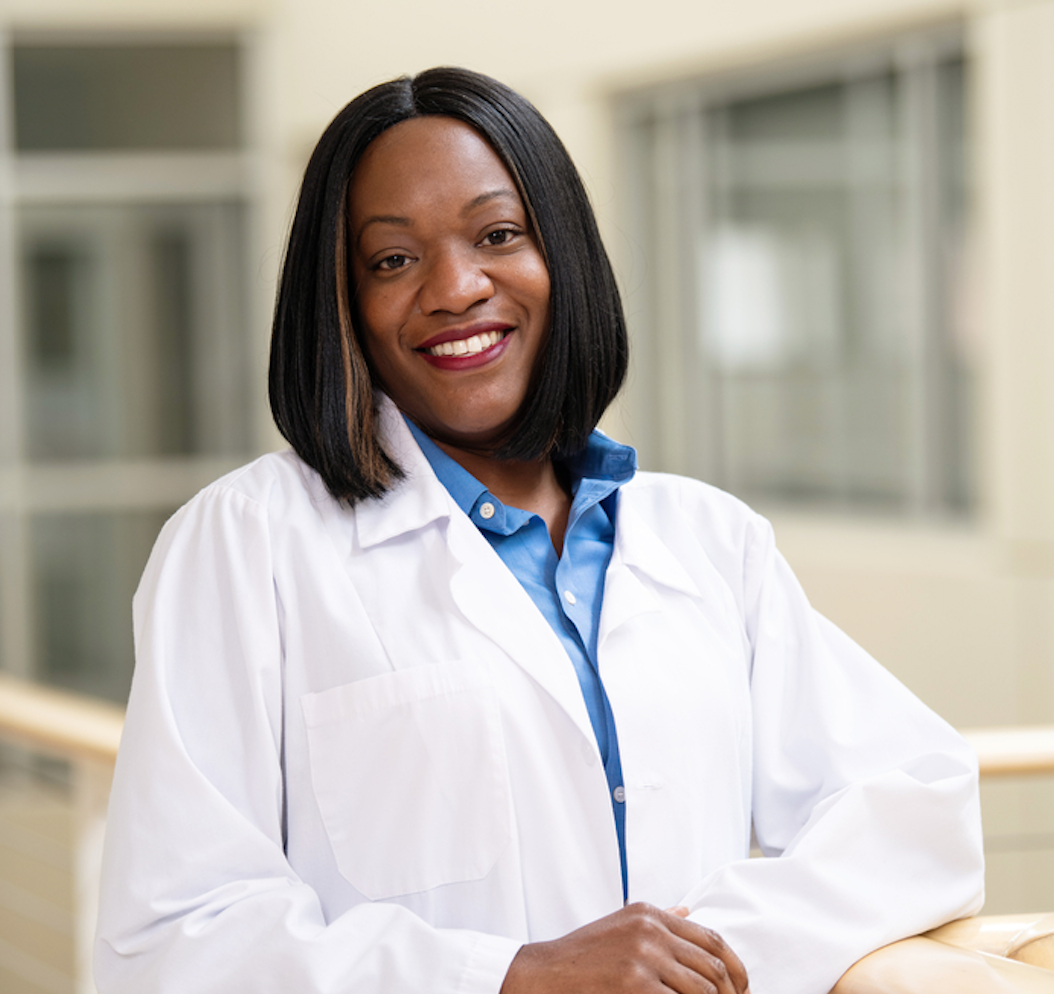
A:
357	758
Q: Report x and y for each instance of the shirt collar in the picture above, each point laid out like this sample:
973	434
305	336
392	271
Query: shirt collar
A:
603	462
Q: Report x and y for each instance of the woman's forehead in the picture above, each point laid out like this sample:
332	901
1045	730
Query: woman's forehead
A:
425	160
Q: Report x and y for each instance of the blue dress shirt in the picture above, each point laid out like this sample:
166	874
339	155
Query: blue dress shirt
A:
568	589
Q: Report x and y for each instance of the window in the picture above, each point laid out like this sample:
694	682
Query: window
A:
126	367
801	334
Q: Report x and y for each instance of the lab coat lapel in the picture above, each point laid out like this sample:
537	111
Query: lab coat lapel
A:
495	603
484	589
639	561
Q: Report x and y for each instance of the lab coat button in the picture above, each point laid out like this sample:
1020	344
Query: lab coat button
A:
619	793
570	598
486	510
589	754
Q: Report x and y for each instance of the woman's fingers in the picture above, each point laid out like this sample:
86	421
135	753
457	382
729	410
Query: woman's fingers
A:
638	950
702	947
713	981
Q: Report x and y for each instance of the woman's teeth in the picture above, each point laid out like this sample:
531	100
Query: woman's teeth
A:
468	346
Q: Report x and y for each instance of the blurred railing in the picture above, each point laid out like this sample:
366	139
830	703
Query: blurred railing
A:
57	752
1004	752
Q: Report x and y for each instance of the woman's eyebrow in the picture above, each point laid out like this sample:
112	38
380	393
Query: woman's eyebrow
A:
401	222
405	222
488	196
393	219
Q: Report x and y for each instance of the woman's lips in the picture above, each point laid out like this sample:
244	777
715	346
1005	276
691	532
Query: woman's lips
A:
467	348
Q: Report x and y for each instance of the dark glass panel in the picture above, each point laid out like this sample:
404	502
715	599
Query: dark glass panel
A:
79	97
85	568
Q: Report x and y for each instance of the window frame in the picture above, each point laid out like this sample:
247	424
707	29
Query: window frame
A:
33	490
663	173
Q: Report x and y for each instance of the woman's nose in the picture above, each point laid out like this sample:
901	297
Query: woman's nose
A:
454	281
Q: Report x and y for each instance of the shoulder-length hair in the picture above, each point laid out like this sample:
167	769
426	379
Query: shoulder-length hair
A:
320	384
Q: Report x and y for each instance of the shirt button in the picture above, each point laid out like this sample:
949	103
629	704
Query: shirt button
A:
486	510
570	598
619	793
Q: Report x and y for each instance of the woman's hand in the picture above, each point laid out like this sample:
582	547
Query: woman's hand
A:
638	950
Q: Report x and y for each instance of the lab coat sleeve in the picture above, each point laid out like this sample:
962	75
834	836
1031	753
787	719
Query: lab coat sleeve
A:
865	803
197	895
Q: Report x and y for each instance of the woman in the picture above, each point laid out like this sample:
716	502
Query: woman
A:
454	699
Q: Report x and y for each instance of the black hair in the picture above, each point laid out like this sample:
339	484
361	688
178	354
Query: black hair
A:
320	385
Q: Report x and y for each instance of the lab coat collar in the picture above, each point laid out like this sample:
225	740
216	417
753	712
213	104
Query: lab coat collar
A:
420	500
415	501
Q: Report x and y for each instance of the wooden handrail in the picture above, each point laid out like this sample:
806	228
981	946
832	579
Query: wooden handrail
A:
1013	750
74	725
71	726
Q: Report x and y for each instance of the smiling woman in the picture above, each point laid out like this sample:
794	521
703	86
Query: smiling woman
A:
321	383
424	704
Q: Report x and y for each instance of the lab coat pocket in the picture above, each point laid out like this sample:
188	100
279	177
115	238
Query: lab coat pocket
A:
410	776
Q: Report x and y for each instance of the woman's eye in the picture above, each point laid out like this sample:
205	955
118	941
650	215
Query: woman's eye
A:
390	262
502	236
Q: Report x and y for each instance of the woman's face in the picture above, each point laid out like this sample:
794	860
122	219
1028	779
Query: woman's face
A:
452	291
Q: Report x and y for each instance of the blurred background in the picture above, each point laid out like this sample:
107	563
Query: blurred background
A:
833	224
